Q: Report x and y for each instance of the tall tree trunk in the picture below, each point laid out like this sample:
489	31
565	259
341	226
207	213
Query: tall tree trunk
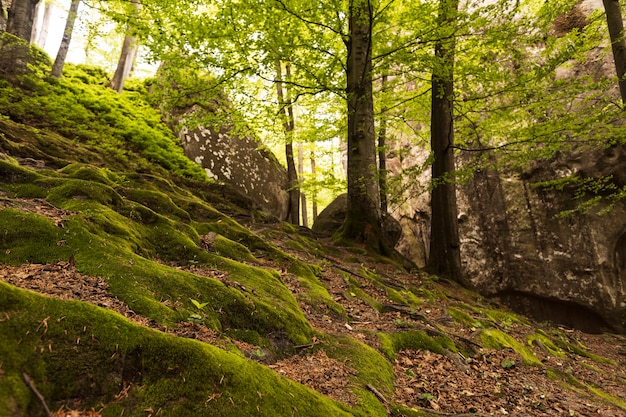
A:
445	249
3	18
314	192
127	56
35	31
363	219
21	18
42	37
286	111
618	44
382	156
57	67
305	214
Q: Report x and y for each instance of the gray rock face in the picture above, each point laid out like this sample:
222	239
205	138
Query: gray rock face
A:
240	162
516	247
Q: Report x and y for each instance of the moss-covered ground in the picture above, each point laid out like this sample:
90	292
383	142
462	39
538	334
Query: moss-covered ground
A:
96	180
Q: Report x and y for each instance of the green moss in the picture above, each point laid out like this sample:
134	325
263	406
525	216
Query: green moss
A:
354	291
569	381
11	172
78	189
88	173
159	202
76	350
465	319
403	297
371	368
496	339
540	336
316	294
225	247
499	317
392	343
27	237
562	343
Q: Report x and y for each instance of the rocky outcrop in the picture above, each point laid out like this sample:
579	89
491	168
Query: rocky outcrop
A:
518	247
239	161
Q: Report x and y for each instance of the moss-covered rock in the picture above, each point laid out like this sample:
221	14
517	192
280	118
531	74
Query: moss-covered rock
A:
76	350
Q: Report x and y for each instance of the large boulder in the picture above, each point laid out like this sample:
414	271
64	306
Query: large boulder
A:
332	217
518	248
241	162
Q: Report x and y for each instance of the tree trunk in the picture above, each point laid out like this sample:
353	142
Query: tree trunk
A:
35	32
314	192
42	37
3	18
382	156
305	214
363	219
286	111
57	67
127	56
445	252
21	18
618	44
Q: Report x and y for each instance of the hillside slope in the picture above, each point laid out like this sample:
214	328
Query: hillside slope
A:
131	286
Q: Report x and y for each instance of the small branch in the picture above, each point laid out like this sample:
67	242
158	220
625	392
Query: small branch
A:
32	387
377	393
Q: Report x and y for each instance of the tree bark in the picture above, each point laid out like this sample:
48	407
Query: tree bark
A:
382	156
445	248
286	111
3	18
127	56
314	192
363	219
615	23
21	18
305	214
59	62
42	37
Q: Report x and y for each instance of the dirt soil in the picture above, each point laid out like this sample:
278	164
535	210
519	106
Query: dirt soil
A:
489	382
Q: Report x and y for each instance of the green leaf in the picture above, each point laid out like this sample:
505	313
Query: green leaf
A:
507	363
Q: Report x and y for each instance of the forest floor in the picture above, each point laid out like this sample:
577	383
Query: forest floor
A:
490	382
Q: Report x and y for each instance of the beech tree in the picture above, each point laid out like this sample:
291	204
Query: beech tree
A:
445	247
59	62
615	24
363	218
127	54
21	18
286	112
3	18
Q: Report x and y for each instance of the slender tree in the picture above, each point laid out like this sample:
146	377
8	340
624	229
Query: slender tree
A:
382	155
303	203
286	111
127	55
42	35
445	247
314	188
3	18
615	23
21	18
59	62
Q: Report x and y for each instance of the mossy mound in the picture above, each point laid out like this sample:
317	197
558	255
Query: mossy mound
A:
76	350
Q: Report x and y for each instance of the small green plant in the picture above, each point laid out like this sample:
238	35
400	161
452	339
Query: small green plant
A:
199	316
427	396
507	363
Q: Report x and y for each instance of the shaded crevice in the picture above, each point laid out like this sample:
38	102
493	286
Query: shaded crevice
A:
558	312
